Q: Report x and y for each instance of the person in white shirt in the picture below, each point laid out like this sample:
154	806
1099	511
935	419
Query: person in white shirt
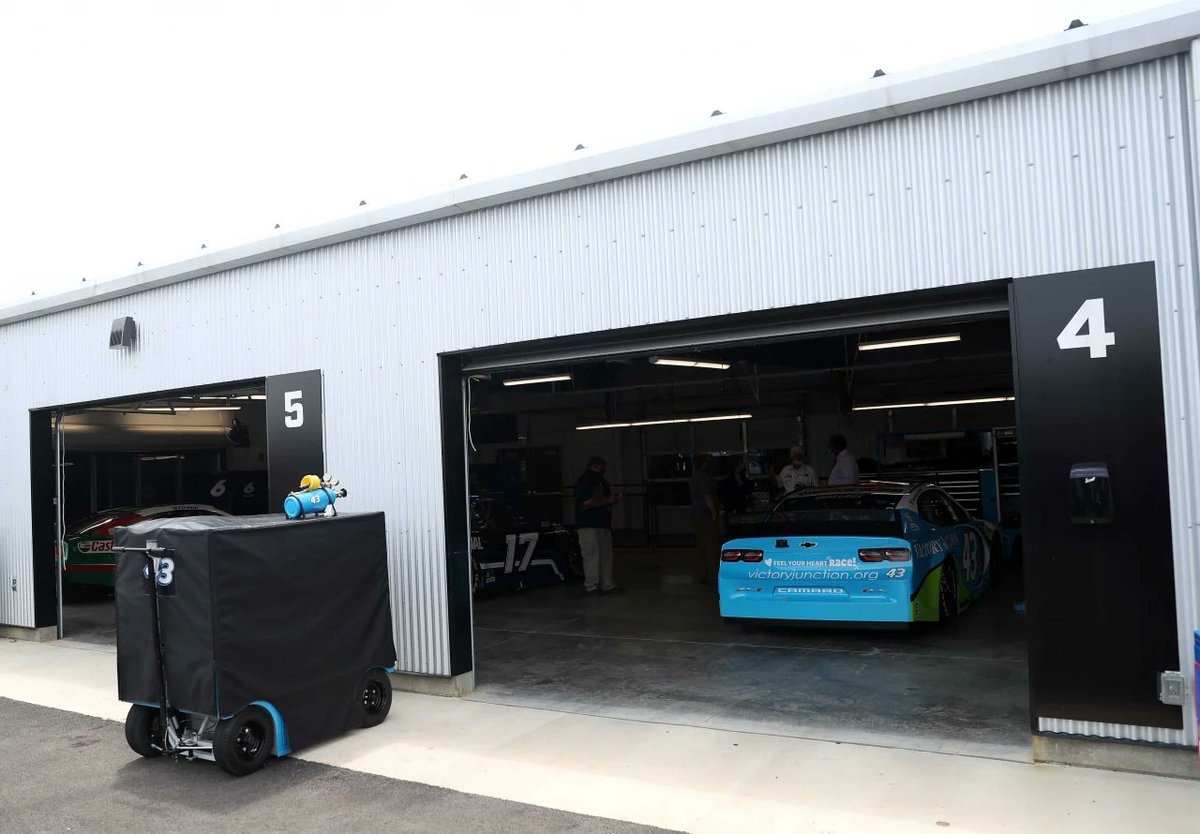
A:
845	465
797	474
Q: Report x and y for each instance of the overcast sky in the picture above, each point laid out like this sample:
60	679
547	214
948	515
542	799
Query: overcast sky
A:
136	130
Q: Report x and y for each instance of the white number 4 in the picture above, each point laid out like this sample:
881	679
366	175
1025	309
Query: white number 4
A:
1097	340
294	409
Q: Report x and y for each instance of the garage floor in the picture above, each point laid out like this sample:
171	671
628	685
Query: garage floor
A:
93	621
661	653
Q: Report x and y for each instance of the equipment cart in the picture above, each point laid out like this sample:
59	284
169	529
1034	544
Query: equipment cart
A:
243	638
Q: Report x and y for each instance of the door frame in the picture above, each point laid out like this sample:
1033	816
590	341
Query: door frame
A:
46	523
965	301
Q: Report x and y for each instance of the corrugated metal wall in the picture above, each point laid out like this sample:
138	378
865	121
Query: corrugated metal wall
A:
1084	173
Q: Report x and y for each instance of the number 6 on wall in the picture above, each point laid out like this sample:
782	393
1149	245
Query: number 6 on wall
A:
1097	340
294	409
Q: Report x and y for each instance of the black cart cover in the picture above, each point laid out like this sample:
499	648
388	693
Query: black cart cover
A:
257	608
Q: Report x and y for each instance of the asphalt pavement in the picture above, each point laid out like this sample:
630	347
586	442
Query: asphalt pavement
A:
60	771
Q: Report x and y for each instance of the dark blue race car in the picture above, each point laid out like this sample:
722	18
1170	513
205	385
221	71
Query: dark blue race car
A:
512	553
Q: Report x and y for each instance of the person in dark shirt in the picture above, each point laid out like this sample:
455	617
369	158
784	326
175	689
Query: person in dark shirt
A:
706	520
594	500
735	490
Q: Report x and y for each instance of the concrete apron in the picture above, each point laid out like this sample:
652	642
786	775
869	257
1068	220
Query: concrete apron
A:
1106	754
679	777
34	635
1112	754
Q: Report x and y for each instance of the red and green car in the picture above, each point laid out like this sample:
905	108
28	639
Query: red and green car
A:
87	557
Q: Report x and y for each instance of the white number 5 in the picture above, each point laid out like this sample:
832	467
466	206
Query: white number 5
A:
294	416
1097	340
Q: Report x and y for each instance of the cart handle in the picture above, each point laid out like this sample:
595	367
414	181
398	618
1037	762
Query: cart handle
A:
164	703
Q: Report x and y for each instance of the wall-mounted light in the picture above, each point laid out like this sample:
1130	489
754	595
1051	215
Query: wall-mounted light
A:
123	335
902	343
688	363
938	403
538	380
711	418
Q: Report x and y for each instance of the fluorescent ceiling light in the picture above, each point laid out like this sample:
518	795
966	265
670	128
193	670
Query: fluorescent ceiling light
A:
667	422
169	410
900	343
228	399
973	401
720	417
689	363
536	380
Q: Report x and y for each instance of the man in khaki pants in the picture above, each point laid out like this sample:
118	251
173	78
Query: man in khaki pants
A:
706	518
593	522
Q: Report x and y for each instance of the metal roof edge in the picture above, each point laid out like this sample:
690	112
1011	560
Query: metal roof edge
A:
1145	36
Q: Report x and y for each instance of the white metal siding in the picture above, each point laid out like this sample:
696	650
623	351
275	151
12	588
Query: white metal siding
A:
1157	735
1084	173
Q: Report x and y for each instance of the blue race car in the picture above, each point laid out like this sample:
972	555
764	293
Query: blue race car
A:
872	553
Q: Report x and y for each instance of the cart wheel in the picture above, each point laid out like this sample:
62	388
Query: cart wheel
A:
243	743
144	731
375	697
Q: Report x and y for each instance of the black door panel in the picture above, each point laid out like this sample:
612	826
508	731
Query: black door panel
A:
1100	585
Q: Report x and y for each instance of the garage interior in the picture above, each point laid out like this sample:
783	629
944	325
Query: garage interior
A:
167	454
923	401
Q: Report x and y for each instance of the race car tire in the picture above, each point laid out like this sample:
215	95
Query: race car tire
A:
375	697
948	592
80	592
242	744
144	731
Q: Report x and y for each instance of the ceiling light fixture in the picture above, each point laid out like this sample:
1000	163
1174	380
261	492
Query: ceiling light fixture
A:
537	380
169	410
900	343
689	363
229	398
938	403
667	421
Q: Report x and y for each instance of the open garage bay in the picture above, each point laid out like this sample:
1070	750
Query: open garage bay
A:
661	653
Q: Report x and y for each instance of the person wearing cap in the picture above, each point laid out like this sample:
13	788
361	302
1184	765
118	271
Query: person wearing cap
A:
594	500
798	474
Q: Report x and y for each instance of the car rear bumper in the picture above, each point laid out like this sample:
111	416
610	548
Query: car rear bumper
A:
747	600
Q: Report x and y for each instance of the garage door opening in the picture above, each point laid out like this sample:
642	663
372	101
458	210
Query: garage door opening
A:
927	412
194	452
